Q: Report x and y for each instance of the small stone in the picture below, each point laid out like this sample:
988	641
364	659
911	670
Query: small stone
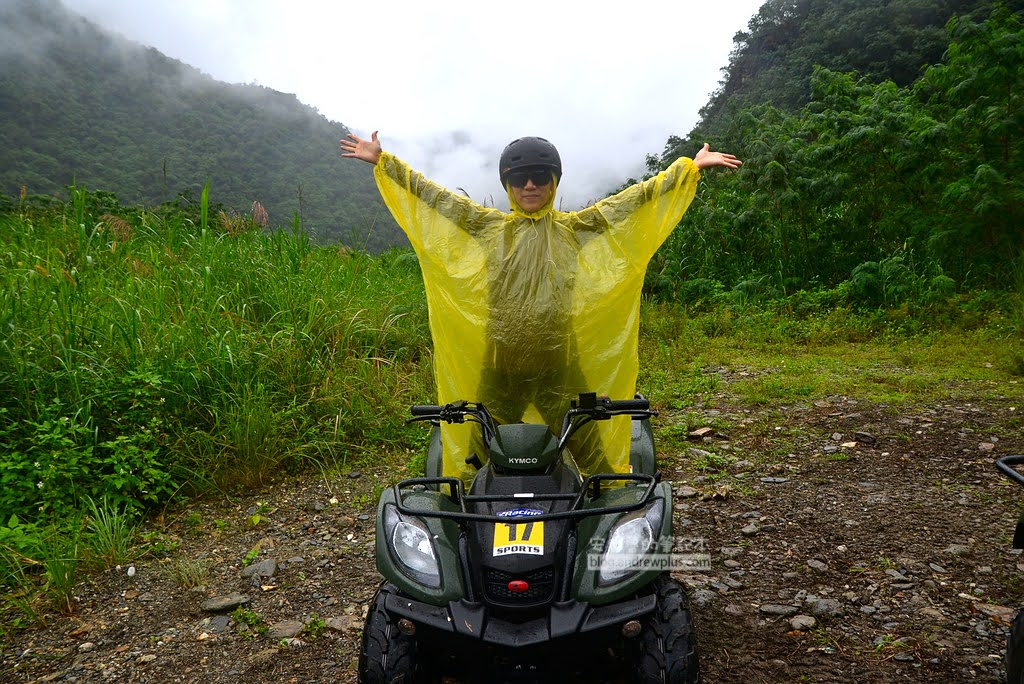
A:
261	545
699	434
779	609
286	629
774	480
802	623
686	492
815	564
215	624
751	529
265	568
986	446
864	437
999	613
148	658
957	550
824	607
342	624
355	475
86	647
734	610
220	604
702	597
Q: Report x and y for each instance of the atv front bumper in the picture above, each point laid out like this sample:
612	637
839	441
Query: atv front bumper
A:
475	621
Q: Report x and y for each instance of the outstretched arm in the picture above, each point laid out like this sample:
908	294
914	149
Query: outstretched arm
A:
359	148
706	158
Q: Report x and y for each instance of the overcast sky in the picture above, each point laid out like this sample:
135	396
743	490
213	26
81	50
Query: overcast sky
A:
449	82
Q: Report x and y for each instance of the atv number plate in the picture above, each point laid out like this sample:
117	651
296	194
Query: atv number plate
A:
519	537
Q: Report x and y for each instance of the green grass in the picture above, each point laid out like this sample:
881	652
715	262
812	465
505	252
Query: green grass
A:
189	573
770	360
110	535
173	357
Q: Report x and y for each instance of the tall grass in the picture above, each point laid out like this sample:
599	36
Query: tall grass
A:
149	353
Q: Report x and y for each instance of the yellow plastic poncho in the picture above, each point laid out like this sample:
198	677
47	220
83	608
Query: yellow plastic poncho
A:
527	310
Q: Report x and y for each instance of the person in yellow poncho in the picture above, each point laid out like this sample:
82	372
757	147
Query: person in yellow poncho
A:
528	309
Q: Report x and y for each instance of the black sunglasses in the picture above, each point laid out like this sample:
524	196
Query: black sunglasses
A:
539	175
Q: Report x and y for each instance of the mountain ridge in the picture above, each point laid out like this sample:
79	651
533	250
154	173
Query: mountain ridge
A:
84	104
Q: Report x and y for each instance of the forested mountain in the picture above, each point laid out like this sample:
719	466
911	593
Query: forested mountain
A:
871	174
79	103
773	60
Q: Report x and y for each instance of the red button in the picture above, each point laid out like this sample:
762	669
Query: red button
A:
518	586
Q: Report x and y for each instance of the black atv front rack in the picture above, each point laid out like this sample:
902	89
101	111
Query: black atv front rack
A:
457	493
1006	465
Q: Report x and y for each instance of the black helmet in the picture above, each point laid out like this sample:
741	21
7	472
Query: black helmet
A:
529	152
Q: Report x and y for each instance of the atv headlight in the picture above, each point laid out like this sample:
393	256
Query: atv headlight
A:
630	542
410	544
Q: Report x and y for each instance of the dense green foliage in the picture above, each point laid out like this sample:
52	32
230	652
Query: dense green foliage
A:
77	103
773	61
146	351
894	189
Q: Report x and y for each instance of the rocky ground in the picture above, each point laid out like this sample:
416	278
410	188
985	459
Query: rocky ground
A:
849	542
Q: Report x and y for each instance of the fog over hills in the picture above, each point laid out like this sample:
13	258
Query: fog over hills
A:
80	103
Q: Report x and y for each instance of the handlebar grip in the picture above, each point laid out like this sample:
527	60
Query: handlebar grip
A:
629	405
426	410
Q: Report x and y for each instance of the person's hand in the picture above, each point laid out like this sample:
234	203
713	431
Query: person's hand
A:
367	150
706	158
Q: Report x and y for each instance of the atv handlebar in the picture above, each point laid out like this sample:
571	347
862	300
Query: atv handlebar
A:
588	407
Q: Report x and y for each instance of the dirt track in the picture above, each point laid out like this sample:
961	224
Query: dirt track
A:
890	528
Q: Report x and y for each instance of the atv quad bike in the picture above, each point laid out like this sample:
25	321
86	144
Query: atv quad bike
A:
534	573
1015	640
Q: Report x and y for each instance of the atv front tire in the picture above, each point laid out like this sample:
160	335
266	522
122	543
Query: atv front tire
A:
386	655
1015	651
666	649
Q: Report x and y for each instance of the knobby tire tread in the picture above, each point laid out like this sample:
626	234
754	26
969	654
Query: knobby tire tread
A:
1015	651
386	656
667	651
